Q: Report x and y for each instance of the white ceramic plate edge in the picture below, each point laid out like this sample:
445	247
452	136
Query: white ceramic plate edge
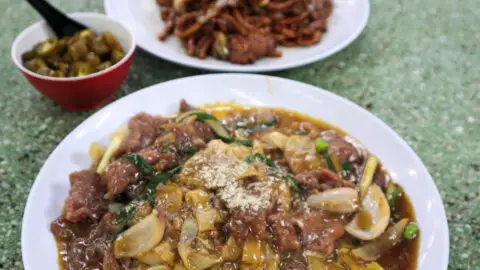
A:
428	181
109	10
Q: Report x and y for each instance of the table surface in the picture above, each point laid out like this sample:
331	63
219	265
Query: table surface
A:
416	66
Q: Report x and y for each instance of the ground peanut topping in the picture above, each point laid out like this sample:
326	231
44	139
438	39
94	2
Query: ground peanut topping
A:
222	168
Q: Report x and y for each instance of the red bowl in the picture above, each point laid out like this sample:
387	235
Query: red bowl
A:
79	93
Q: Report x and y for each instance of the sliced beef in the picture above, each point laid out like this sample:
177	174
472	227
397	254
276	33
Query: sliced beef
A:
247	49
87	244
165	146
85	199
135	190
178	139
66	231
294	261
342	149
185	107
285	233
167	161
118	175
186	141
313	230
203	131
321	179
278	157
191	137
262	44
108	224
143	129
109	262
246	224
319	232
152	154
381	177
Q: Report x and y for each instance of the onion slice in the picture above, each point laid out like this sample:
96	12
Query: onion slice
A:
141	237
373	216
373	250
338	200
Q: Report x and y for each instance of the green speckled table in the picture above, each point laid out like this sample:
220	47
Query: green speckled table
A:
416	66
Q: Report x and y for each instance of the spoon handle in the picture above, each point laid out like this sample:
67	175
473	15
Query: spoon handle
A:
58	21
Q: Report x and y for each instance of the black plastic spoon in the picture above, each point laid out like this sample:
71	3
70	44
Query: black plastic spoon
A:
60	23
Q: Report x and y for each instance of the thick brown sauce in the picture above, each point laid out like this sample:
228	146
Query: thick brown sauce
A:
402	257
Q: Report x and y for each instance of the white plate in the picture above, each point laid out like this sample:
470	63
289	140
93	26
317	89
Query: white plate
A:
51	186
143	18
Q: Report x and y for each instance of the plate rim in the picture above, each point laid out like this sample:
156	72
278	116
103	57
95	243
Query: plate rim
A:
108	7
395	135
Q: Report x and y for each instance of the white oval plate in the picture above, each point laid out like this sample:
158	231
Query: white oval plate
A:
51	186
348	19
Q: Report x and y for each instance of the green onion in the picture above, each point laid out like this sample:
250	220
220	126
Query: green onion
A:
275	171
248	143
356	242
260	158
394	193
127	212
293	184
190	149
322	147
138	161
347	168
215	125
159	178
199	114
259	127
410	231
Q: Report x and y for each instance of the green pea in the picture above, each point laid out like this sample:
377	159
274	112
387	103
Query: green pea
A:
410	231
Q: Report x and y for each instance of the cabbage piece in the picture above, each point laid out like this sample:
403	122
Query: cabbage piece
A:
301	155
276	139
141	237
253	252
231	251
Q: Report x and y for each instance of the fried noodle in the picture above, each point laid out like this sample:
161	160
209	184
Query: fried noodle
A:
242	31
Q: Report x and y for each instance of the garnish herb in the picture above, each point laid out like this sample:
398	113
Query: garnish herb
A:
158	179
347	168
261	158
248	143
138	161
394	193
256	128
275	171
124	215
127	212
217	127
201	116
356	242
190	149
322	147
